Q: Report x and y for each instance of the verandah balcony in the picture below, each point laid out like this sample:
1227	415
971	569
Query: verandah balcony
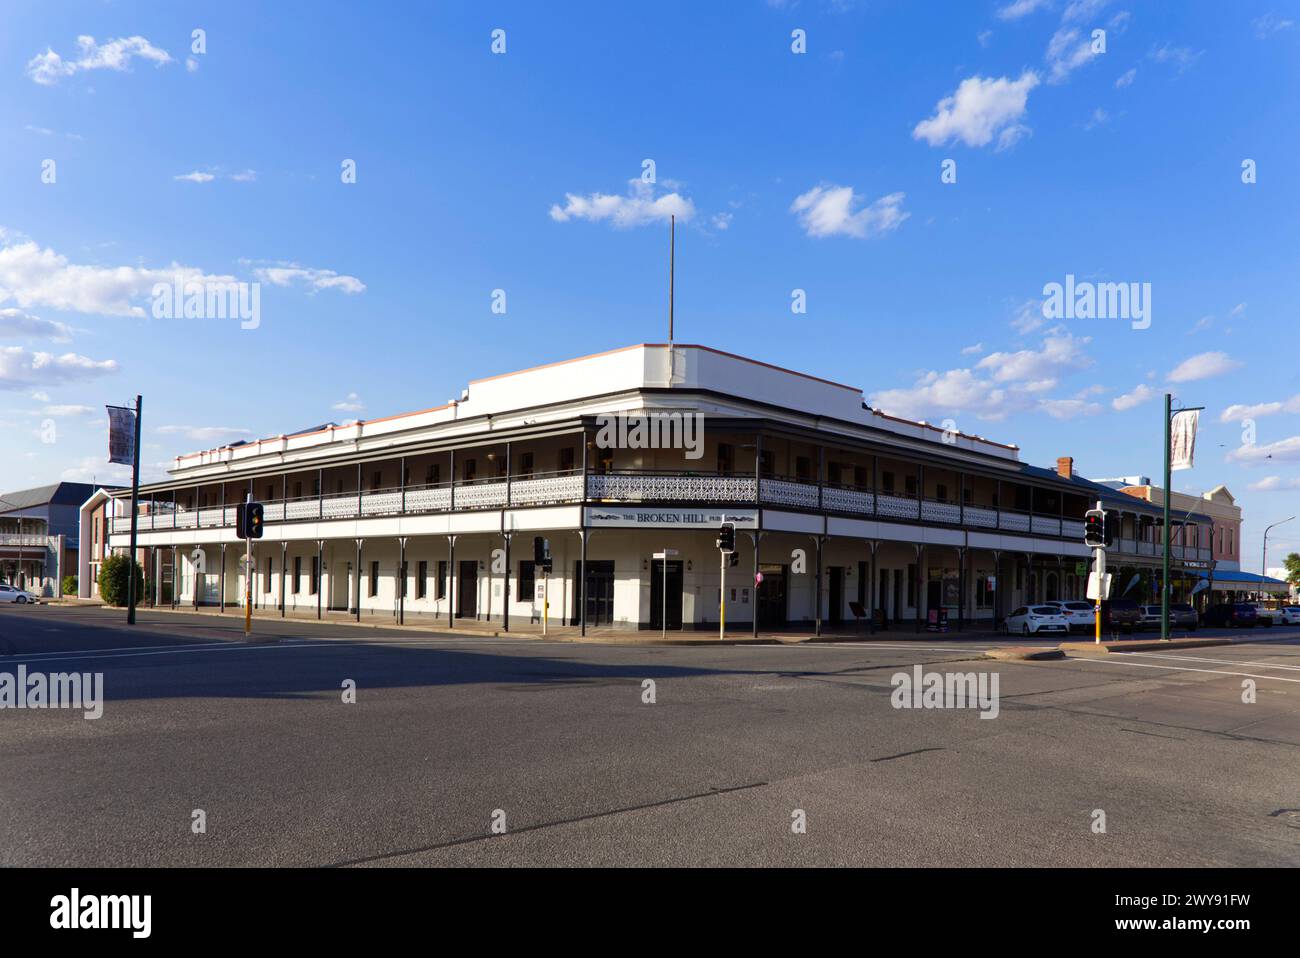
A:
614	486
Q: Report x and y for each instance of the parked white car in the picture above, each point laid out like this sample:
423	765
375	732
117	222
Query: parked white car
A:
1078	614
1268	616
10	593
1033	619
1290	615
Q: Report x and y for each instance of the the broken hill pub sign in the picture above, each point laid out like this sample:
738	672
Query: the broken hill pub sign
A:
650	518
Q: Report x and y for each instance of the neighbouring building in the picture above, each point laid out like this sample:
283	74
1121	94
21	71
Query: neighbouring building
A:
39	537
840	509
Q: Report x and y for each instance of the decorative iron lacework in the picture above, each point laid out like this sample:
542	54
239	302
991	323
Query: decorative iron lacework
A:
481	495
428	500
897	507
941	512
1014	521
987	518
848	500
688	488
786	493
545	489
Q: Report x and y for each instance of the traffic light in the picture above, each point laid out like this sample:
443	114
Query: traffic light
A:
733	560
248	520
727	537
1095	533
255	520
542	553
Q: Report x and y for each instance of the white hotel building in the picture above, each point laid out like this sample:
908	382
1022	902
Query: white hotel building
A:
430	516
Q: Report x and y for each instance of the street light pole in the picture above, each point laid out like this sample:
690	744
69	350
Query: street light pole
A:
1263	562
1170	412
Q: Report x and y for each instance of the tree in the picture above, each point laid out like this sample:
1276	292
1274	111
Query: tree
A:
69	585
113	575
1292	563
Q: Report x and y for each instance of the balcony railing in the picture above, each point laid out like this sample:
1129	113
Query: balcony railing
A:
25	540
634	487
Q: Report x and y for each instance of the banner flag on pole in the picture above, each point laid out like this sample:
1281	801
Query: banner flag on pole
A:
121	435
1183	439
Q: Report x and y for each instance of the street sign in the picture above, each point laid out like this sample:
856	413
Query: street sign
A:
1104	591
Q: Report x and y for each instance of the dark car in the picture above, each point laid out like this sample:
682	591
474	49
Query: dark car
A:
1231	615
1121	615
1181	616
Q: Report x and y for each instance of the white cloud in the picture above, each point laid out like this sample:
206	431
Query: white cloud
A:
638	207
191	65
49	68
248	176
1126	78
1099	118
1269	24
1238	411
1028	317
98	469
351	403
1060	352
195	177
973	350
1287	450
34	276
1082	9
1184	58
1020	8
998	385
1068	408
20	369
1068	50
288	274
14	322
1203	366
71	409
980	109
204	433
1274	484
1140	394
828	210
983	37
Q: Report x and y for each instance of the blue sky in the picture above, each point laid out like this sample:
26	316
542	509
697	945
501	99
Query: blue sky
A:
522	171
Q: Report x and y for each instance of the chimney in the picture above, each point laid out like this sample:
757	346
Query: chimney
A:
1065	467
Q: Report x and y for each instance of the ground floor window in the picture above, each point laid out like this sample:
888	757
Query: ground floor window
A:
442	579
422	579
983	589
266	579
374	578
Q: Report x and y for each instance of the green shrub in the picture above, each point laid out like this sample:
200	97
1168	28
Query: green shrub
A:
69	585
113	576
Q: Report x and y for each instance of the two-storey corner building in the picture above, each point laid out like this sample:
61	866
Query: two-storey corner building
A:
431	515
39	536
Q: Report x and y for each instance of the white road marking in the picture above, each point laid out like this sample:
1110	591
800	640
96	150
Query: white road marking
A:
1194	658
1175	668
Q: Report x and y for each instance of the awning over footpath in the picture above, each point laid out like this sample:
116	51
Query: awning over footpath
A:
1235	581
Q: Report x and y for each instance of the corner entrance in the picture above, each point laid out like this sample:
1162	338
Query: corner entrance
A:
600	593
771	597
657	594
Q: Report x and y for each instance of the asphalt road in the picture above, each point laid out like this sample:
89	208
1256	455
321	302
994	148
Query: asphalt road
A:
554	741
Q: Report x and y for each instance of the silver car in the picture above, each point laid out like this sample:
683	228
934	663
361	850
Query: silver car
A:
10	593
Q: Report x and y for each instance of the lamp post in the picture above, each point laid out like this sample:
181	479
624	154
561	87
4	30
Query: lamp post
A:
1170	412
1263	562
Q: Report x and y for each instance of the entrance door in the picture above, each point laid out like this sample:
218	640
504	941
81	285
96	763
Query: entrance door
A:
886	605
657	594
341	587
835	614
467	589
771	597
600	593
897	609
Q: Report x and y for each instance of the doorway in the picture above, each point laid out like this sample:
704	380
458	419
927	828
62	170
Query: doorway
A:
600	592
835	614
771	597
675	581
467	589
342	590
